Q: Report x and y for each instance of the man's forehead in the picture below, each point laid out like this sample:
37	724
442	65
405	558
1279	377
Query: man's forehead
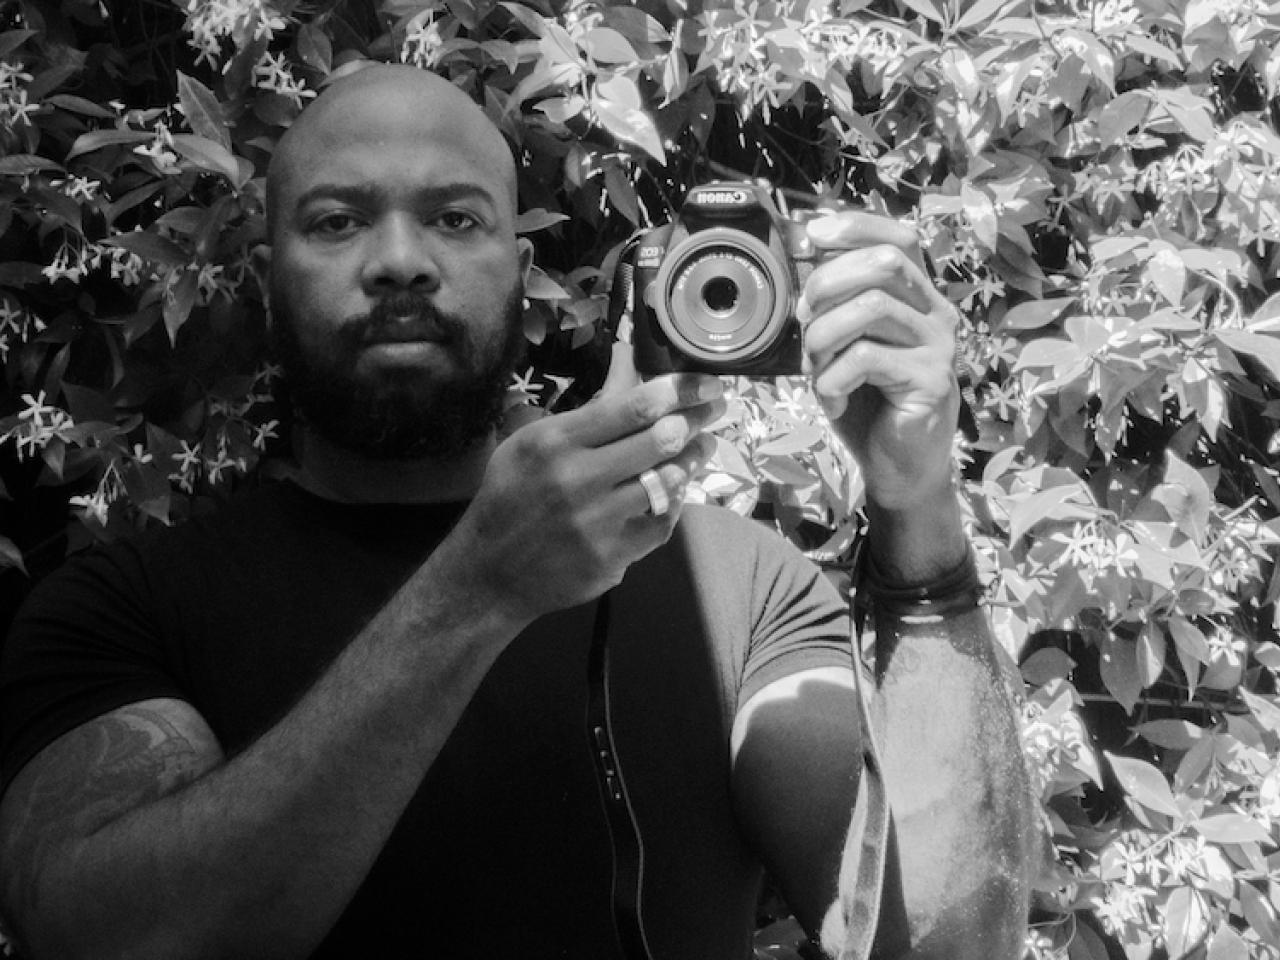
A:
357	124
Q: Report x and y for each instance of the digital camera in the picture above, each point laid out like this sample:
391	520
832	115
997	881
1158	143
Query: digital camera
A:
715	290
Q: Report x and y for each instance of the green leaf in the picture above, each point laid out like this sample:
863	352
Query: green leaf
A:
1268	654
179	299
1264	710
1193	649
1264	348
1047	663
1056	503
527	18
1186	921
1144	784
1034	314
1227	945
1166	271
1048	352
97	139
25	164
10	555
1118	666
797	440
541	287
982	11
531	221
636	25
631	125
1258	912
209	155
203	112
152	247
11	40
1122	115
926	9
1171	734
1085	944
1150	653
1232	828
314	47
74	104
1186	496
605	45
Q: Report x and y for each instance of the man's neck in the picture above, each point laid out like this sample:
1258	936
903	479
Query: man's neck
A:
336	473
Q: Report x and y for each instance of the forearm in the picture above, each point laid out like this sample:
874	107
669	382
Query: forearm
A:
259	856
957	788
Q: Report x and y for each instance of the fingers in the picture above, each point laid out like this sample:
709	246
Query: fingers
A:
884	267
897	373
872	314
852	230
659	490
612	416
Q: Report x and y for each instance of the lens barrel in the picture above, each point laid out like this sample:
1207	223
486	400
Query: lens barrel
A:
723	296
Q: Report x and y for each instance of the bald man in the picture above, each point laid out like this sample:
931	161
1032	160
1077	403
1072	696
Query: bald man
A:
346	716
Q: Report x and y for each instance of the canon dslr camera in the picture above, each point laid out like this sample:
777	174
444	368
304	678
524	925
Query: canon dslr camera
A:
715	290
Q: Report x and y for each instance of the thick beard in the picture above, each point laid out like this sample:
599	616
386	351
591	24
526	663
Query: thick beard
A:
404	414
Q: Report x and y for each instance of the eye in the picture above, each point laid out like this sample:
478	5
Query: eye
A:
335	225
457	221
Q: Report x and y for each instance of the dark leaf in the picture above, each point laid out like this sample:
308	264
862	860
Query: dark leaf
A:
1145	785
152	247
10	555
97	139
80	105
202	110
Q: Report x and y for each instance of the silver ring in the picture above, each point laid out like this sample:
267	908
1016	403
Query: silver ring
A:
659	502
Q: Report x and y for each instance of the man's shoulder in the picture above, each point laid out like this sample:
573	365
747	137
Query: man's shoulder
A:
132	559
721	536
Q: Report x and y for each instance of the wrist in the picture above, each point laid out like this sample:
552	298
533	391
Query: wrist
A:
954	591
917	544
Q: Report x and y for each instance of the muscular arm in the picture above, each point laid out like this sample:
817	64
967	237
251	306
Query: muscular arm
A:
961	829
879	344
132	836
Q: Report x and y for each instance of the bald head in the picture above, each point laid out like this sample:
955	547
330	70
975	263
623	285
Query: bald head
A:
374	105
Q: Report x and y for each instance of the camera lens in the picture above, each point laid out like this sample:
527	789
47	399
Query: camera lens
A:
722	296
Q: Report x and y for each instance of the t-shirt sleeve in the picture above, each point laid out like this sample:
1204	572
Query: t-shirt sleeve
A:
800	623
770	611
84	643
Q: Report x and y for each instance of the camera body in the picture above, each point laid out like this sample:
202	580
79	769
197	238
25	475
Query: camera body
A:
715	290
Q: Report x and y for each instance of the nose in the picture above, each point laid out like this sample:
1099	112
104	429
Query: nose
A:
400	257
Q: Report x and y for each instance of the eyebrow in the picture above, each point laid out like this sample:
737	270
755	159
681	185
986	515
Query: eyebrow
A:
371	193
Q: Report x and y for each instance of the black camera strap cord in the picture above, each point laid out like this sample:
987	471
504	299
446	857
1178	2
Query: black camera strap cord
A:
863	861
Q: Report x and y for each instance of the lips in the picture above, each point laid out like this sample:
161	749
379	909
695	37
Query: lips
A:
407	332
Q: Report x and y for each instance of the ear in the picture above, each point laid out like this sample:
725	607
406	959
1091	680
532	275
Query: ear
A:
260	266
525	247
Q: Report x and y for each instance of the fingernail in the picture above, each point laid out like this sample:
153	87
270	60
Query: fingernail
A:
802	309
825	229
710	388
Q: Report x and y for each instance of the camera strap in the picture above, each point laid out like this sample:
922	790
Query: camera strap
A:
624	831
865	851
866	845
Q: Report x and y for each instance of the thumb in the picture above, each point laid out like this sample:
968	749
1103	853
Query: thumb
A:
622	373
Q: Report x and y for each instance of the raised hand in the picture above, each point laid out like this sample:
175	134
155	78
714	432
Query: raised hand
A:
879	345
562	512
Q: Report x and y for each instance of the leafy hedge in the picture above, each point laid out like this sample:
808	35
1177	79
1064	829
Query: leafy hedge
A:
1097	185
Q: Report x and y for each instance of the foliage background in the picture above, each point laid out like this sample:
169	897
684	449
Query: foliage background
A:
1097	185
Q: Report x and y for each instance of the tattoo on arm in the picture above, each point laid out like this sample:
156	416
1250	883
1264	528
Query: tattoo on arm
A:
88	778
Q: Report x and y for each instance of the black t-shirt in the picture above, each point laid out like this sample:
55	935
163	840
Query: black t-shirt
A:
504	850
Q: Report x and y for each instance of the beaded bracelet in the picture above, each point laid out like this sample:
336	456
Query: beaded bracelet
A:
955	591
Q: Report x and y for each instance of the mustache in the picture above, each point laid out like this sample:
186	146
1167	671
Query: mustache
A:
404	316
